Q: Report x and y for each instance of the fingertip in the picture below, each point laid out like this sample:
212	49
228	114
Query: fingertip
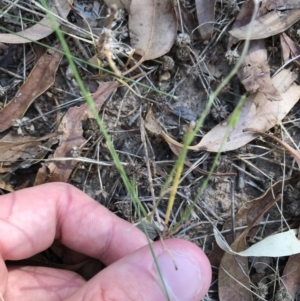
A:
185	269
183	266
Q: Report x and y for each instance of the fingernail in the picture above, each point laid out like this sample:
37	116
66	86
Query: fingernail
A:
182	275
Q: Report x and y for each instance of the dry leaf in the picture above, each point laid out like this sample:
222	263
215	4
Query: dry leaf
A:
7	144
206	17
100	96
282	4
154	127
285	48
5	186
26	148
267	25
151	124
42	175
40	30
257	112
290	49
234	283
247	213
242	19
233	279
152	27
119	3
255	71
291	276
39	80
277	245
72	134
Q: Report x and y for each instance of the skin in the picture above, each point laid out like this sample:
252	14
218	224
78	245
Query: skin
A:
30	220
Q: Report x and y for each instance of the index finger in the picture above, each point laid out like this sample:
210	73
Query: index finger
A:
32	218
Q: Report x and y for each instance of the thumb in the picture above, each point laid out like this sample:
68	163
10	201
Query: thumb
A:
184	267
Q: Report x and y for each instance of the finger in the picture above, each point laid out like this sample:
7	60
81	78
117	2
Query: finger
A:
32	218
39	283
135	277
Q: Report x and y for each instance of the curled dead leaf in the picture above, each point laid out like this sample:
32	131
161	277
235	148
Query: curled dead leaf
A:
151	124
257	111
267	25
282	4
254	73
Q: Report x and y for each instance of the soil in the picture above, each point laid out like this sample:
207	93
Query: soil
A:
257	165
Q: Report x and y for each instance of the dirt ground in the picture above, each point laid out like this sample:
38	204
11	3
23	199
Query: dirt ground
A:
254	167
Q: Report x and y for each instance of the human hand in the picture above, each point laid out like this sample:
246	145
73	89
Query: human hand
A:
32	218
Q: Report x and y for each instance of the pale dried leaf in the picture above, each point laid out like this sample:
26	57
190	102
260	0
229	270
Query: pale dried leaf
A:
285	49
290	49
277	245
257	112
15	147
6	143
152	27
254	73
151	124
282	4
24	148
267	25
40	30
39	80
206	17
